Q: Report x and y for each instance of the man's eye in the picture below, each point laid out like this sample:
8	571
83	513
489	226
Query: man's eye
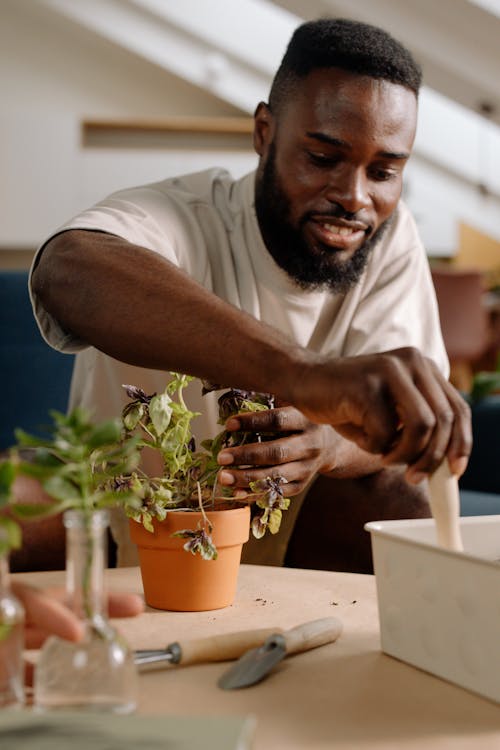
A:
382	175
321	160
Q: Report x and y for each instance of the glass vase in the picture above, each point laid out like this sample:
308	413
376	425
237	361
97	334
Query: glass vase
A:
98	672
11	643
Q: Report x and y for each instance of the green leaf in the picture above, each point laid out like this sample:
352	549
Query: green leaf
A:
61	489
125	467
27	511
163	495
258	527
483	384
105	434
10	535
7	476
147	522
132	415
160	412
24	439
28	469
5	631
110	498
284	503
45	457
178	382
274	521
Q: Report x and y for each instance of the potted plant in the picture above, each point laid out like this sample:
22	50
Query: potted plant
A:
185	509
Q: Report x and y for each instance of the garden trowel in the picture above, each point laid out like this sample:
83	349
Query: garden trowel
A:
255	664
223	647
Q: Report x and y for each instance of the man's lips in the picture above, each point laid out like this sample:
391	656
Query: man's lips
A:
340	235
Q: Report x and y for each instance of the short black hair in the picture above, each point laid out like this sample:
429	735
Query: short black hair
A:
342	43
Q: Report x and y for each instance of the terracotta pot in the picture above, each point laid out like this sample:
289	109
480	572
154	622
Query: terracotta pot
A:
178	580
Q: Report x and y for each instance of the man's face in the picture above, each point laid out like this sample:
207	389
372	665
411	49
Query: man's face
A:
330	173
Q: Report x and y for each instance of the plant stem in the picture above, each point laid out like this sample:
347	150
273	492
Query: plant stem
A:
206	522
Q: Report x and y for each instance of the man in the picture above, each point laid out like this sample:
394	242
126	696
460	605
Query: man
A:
290	281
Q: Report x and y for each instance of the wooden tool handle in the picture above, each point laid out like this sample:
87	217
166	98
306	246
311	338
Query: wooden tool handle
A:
312	634
445	507
223	647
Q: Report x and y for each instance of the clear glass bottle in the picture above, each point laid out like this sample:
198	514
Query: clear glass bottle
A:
98	673
11	643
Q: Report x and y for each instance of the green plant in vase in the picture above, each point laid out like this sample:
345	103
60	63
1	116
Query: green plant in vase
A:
75	466
11	609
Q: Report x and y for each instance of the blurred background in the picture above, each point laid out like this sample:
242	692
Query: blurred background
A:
97	95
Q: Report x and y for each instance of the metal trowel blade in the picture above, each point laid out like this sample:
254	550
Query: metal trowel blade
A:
253	666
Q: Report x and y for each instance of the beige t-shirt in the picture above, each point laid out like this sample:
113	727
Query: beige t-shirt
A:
205	224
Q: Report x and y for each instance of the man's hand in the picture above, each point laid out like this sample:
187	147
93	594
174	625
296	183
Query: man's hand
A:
395	403
301	450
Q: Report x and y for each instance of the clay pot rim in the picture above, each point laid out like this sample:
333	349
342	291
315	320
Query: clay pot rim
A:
225	521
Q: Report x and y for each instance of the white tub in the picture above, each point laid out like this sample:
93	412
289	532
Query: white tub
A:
440	610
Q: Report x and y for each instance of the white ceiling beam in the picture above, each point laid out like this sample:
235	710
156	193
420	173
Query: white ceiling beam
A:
253	31
163	39
455	41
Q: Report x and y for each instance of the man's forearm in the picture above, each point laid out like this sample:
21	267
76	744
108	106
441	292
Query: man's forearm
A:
134	305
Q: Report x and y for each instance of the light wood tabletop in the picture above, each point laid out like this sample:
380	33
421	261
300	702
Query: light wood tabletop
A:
344	695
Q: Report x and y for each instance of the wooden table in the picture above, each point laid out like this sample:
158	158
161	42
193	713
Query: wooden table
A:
343	695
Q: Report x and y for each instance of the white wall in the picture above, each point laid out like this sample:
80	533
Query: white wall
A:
467	149
52	76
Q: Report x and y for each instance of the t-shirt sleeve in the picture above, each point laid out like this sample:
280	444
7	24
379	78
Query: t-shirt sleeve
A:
397	304
129	214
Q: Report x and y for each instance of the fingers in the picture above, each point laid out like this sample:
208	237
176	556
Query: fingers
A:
396	404
283	419
46	615
125	605
434	419
452	434
295	457
383	410
426	421
460	444
296	475
271	453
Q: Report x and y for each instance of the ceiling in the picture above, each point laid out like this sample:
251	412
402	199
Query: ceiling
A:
231	48
456	41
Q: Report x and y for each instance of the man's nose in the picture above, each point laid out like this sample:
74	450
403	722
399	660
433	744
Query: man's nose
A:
349	188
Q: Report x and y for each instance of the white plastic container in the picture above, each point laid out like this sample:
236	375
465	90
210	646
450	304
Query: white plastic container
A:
440	610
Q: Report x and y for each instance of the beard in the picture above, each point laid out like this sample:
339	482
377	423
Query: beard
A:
311	268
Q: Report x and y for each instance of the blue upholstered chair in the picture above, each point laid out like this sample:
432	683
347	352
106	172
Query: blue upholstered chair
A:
33	377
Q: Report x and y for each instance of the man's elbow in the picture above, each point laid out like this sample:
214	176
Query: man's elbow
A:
51	280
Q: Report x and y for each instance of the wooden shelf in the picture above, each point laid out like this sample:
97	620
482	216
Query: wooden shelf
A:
222	125
172	132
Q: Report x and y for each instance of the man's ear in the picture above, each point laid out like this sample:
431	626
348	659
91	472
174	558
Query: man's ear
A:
263	131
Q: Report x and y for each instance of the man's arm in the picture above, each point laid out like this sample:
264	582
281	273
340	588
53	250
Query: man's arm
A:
137	307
